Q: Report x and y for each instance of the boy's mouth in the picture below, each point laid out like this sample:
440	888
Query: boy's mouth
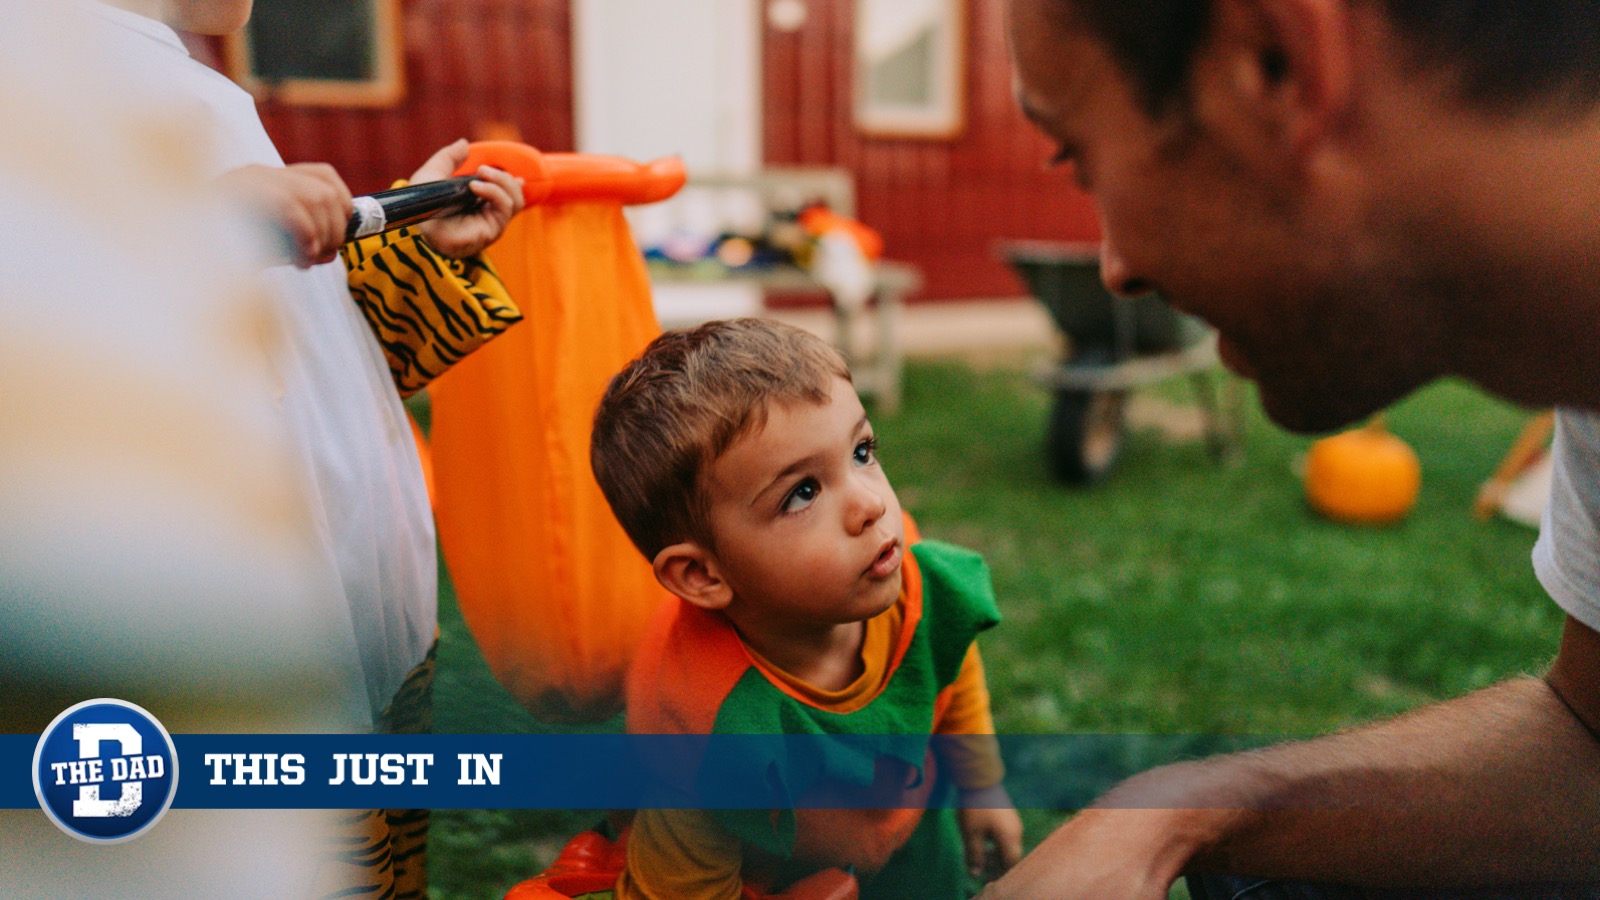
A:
887	562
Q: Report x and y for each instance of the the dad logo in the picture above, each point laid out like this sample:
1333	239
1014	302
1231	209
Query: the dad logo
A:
105	771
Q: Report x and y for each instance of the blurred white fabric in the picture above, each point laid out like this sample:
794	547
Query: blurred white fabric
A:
354	446
157	531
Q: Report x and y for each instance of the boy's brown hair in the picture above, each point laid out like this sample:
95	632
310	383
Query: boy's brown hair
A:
693	392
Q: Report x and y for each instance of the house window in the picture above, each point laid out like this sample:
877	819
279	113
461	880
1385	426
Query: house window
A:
320	52
909	67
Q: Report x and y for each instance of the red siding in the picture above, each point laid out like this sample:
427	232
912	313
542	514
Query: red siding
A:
939	204
467	62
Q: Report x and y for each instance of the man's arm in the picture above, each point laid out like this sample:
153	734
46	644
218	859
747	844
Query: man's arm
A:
1502	785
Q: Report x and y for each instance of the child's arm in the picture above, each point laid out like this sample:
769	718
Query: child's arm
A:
429	298
987	817
427	311
680	854
307	201
471	232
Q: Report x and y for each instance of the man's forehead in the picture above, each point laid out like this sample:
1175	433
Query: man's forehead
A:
1054	61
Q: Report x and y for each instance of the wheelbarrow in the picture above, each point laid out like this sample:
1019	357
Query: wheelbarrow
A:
1113	344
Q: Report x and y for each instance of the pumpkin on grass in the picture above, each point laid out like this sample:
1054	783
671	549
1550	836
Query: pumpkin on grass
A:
1366	476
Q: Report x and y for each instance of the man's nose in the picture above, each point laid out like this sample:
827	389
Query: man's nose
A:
1115	272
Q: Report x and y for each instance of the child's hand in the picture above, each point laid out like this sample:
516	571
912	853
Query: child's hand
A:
308	201
991	831
468	233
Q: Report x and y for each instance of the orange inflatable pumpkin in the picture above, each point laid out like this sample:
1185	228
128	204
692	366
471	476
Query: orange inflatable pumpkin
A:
547	581
1366	476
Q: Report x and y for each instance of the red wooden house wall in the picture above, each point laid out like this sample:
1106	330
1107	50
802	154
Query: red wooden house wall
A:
939	204
467	62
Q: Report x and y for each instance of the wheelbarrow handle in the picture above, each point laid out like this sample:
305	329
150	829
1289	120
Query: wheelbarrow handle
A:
388	210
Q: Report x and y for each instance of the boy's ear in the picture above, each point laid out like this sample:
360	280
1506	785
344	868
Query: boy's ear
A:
687	570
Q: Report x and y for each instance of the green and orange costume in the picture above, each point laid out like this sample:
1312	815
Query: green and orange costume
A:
693	675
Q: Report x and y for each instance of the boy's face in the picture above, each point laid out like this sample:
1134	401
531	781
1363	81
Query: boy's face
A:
808	531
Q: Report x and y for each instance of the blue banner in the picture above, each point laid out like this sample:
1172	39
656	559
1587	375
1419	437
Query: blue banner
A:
614	771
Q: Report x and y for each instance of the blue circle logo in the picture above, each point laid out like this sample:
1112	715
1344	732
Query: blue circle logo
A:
105	771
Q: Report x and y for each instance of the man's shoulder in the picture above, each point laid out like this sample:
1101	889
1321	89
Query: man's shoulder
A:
1583	425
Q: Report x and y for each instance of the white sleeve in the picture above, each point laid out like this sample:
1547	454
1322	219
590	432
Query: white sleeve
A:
1567	555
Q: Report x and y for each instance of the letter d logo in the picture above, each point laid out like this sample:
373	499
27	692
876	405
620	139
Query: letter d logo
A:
82	768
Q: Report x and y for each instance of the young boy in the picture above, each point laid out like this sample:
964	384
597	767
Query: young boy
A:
739	460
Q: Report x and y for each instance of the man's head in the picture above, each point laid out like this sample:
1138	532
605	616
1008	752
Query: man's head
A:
1502	53
1345	188
740	461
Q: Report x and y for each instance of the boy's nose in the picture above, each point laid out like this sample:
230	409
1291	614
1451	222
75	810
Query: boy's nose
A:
867	506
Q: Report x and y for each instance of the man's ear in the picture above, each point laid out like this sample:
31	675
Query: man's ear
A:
1275	77
689	571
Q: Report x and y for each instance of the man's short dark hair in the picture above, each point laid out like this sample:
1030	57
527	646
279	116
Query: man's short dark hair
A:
1505	53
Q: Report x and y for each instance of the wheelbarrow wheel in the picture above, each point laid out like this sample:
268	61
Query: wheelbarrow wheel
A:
1085	434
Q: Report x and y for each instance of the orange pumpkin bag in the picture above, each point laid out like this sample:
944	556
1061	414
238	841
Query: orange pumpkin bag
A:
547	581
589	866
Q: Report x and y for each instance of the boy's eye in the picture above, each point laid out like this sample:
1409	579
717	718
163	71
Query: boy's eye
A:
802	495
866	451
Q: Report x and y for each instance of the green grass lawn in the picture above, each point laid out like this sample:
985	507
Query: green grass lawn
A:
1178	597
